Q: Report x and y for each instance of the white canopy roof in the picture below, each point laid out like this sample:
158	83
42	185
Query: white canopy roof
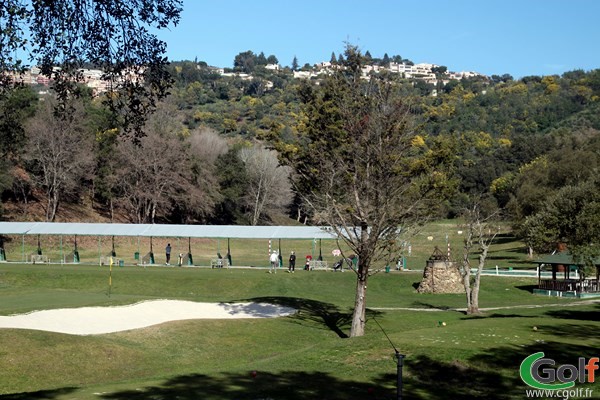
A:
156	230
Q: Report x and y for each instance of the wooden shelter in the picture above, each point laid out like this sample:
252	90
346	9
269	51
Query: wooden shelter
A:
566	279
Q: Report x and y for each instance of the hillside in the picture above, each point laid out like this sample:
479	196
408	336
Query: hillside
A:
190	168
35	210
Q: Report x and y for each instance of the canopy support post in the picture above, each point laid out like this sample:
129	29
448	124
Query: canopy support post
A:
190	260
76	258
229	253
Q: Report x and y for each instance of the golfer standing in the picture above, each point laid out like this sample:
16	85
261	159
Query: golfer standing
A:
292	262
168	253
274	262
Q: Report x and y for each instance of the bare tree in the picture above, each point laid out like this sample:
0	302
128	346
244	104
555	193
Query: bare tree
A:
147	175
481	231
163	172
269	189
59	154
206	144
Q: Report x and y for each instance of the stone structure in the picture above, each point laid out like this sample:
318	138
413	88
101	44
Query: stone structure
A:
441	275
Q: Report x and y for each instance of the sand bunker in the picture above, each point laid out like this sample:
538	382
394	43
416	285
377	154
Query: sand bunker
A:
99	320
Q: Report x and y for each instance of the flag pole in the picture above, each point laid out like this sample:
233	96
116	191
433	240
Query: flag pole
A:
110	277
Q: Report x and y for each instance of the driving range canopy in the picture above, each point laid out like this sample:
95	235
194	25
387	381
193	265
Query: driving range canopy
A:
163	230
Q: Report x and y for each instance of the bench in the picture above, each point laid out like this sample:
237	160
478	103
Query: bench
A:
218	263
315	264
38	258
106	260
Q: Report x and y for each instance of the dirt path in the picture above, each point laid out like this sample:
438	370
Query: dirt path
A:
484	309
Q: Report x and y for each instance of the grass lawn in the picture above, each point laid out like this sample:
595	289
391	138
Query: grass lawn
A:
305	356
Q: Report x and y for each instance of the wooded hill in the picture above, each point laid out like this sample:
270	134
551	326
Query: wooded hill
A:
208	156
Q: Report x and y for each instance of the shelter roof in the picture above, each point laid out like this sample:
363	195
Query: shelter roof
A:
438	255
561	258
163	230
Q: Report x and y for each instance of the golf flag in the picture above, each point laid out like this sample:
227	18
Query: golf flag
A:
110	277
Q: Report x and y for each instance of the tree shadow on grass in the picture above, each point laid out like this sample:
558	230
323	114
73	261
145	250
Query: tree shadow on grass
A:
495	315
504	257
429	306
527	288
582	315
579	331
431	379
493	373
325	314
40	395
510	357
451	381
503	238
289	385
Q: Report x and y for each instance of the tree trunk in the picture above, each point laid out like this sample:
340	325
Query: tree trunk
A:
153	213
474	304
473	292
359	315
466	268
52	205
256	212
56	199
474	308
467	285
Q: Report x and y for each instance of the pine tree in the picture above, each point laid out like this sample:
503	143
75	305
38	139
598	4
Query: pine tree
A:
333	59
386	60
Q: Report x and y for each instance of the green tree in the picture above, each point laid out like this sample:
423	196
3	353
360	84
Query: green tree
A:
295	64
570	216
113	35
362	169
535	181
333	58
245	62
439	70
386	60
233	183
272	59
261	59
15	107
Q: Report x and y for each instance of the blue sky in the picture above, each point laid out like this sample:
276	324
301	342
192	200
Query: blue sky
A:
526	37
